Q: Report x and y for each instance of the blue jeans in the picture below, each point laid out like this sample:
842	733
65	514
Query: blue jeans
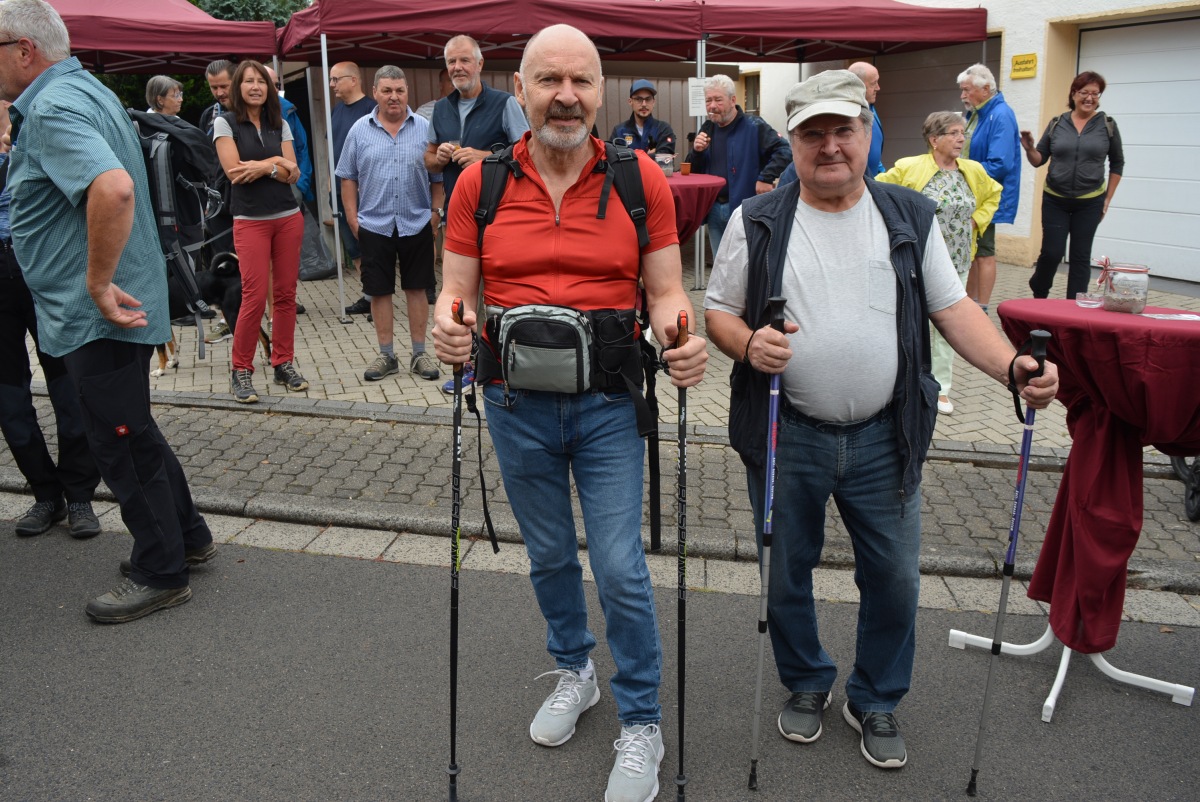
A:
717	220
542	439
859	465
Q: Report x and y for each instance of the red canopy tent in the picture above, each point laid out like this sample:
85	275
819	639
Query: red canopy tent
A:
148	36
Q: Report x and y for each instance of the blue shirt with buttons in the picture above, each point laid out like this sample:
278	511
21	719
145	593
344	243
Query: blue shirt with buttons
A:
393	184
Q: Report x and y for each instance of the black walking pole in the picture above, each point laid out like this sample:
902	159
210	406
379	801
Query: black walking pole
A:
456	309
775	306
1037	347
681	339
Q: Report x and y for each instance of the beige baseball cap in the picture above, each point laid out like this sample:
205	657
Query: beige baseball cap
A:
839	92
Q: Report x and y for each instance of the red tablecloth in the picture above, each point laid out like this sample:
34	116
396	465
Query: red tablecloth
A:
694	196
1127	381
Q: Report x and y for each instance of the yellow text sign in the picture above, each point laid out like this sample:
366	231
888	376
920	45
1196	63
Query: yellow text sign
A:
1024	66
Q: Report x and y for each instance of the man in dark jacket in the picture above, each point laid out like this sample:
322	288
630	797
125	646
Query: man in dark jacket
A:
644	131
739	147
864	270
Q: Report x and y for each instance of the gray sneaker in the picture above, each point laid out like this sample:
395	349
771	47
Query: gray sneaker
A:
882	745
241	384
382	366
425	366
287	375
220	331
800	719
129	601
554	723
634	776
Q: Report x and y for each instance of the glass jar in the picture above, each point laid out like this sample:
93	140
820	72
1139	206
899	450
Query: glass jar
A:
1125	287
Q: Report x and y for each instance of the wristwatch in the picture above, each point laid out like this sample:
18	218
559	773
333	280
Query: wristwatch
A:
439	212
274	170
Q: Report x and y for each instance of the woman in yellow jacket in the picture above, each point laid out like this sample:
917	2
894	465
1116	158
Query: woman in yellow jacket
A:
966	199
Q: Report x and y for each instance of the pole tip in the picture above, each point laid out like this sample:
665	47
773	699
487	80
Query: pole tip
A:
971	784
753	785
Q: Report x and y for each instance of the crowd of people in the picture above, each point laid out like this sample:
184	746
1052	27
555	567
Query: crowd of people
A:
870	260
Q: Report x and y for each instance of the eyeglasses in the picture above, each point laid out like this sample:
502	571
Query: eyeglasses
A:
178	95
643	100
333	79
954	134
10	42
1093	95
815	137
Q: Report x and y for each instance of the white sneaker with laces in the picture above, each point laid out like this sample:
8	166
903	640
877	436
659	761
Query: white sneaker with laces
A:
634	776
554	723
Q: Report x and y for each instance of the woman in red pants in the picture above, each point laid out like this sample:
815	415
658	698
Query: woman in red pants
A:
254	144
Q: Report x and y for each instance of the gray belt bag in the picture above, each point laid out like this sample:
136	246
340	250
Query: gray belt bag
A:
546	347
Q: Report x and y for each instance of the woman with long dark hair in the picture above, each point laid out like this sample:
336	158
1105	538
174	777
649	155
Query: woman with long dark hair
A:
254	144
1077	192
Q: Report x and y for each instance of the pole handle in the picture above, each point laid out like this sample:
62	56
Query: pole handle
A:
681	336
1036	347
456	312
775	307
1038	338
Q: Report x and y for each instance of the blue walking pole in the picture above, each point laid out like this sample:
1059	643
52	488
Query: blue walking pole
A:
1037	348
775	305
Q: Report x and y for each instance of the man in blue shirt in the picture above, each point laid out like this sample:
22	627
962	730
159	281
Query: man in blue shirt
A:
387	197
84	234
870	78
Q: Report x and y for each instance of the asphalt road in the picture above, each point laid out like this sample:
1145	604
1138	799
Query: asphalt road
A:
300	677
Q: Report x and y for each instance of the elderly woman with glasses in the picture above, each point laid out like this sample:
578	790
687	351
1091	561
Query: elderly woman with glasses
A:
1077	192
966	198
164	95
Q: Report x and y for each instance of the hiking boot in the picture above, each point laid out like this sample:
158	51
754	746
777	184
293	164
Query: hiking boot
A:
82	520
220	331
287	375
800	719
382	366
554	723
129	601
634	776
882	745
194	557
467	380
40	517
241	382
360	307
425	366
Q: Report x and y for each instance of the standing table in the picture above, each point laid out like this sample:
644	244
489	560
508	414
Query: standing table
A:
1127	381
694	196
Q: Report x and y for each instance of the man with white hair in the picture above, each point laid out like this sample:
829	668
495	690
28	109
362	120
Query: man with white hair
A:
741	148
993	140
547	247
84	233
864	269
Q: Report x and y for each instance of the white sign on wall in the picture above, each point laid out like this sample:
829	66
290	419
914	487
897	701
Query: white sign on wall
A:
696	97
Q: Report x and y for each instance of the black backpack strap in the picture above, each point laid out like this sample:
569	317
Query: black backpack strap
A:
493	182
623	171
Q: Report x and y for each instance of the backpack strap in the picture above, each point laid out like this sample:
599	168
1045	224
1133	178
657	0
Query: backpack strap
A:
623	171
494	181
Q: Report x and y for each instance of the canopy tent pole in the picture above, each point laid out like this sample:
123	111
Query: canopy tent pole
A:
334	206
698	243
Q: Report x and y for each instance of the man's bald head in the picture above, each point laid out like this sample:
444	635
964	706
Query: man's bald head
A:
555	37
869	75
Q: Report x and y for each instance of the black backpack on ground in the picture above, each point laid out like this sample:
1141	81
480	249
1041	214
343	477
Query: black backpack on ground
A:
181	167
621	171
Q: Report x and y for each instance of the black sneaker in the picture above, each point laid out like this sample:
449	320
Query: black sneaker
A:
800	719
360	307
300	310
40	517
241	383
82	520
287	375
882	745
382	366
194	557
129	601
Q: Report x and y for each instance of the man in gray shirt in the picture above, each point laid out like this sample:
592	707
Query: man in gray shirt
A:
864	270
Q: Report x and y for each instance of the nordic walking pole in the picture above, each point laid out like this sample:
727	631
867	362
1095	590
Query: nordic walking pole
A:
681	339
1037	346
775	306
456	310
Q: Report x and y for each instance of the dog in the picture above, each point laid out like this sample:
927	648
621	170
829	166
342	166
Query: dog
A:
220	286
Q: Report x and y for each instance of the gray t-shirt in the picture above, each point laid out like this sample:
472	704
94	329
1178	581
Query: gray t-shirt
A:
841	290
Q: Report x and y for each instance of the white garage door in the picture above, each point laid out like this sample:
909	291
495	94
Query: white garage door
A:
1153	75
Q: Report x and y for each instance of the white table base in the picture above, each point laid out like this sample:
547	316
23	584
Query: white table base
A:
1180	694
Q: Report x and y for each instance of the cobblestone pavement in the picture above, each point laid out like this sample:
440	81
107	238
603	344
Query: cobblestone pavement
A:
377	454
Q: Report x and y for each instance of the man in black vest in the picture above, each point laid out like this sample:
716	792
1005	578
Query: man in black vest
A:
864	270
472	119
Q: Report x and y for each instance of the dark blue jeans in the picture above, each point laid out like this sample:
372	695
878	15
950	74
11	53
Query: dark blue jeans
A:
859	466
1063	218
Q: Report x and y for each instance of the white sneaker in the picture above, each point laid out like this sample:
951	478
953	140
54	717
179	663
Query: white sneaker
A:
945	405
634	776
554	723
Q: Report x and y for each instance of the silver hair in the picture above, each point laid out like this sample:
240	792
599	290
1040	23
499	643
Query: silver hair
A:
721	82
389	73
939	123
158	86
868	121
38	22
475	51
979	76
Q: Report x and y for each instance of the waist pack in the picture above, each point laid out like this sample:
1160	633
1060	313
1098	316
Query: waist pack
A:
545	347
